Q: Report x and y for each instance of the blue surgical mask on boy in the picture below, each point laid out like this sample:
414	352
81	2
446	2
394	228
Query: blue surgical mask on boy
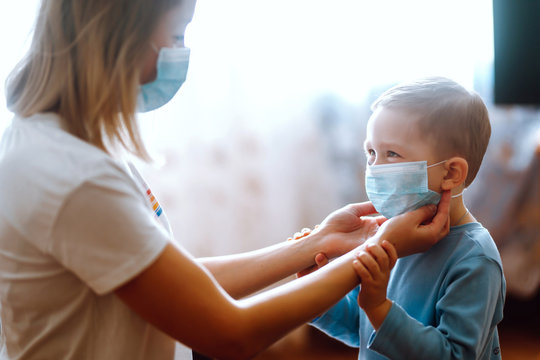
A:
397	188
172	66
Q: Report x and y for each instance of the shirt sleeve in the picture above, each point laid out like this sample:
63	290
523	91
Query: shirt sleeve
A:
466	315
105	233
341	321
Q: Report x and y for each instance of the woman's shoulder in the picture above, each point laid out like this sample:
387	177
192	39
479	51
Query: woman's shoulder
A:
39	147
41	165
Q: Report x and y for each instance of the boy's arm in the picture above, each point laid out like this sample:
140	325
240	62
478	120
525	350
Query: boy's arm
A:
373	265
467	318
341	321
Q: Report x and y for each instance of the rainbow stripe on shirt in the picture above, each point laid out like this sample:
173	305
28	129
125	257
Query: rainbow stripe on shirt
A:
154	202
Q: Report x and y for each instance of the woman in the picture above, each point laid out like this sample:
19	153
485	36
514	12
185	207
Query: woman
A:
88	268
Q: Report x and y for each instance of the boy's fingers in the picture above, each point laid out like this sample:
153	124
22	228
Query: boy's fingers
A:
361	271
380	256
391	251
380	220
369	262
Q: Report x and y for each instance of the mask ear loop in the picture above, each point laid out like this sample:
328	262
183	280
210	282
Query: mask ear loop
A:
439	163
460	194
466	210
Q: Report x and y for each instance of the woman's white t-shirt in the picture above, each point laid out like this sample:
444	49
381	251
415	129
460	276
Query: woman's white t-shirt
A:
75	224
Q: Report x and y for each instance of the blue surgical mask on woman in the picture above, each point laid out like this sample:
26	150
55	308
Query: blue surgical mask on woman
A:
394	189
172	66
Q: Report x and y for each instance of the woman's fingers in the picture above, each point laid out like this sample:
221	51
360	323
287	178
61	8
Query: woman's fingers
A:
321	260
363	209
441	221
380	220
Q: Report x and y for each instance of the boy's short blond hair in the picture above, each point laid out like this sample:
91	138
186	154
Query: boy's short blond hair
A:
453	119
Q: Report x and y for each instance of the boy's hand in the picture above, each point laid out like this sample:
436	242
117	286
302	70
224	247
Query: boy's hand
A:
373	265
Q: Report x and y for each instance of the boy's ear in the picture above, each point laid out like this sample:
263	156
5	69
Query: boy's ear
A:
457	169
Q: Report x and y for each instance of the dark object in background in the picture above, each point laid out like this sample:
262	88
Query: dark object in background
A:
516	30
522	314
197	356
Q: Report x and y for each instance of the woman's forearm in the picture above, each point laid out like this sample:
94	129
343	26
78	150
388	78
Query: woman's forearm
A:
182	299
245	273
275	312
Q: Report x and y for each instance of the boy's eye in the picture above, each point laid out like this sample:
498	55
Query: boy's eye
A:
392	154
370	155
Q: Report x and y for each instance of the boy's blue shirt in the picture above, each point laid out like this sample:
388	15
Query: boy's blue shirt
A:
447	303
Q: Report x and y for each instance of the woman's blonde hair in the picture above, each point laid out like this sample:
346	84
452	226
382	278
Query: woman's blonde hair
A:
84	64
453	119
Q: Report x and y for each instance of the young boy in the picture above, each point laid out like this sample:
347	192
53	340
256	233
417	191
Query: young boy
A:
423	138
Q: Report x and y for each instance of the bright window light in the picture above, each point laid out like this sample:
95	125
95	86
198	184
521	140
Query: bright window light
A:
252	58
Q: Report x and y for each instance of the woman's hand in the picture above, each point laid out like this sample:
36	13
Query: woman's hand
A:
347	228
418	230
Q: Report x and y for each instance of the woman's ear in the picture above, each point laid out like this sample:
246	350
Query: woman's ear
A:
457	169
